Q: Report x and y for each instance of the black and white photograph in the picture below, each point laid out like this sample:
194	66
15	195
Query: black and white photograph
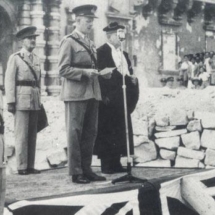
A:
107	107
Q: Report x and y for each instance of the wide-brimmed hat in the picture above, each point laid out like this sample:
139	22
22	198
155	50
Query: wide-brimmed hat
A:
163	80
26	32
113	26
87	10
170	79
196	79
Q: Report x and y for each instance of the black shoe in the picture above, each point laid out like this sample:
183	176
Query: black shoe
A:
93	177
23	172
33	171
80	179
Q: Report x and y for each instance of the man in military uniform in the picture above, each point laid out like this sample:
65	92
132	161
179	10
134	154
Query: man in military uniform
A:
22	85
80	93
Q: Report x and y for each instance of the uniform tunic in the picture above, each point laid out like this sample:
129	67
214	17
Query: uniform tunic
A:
81	96
27	102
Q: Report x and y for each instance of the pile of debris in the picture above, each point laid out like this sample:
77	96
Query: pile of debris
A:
180	139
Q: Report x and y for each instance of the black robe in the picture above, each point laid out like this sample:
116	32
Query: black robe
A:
111	138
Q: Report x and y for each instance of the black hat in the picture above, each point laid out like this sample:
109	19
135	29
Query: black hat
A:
196	79
27	32
163	80
113	26
170	79
87	10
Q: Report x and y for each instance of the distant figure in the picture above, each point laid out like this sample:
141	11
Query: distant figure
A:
180	83
196	83
185	70
169	82
204	76
163	82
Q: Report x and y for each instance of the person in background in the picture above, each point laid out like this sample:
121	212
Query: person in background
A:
111	140
22	86
196	83
169	82
81	95
207	59
212	64
204	76
163	82
180	83
185	70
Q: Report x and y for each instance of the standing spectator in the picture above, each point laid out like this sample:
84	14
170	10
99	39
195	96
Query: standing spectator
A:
185	70
180	83
163	82
22	85
204	76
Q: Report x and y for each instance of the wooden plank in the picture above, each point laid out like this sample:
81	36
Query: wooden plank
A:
194	193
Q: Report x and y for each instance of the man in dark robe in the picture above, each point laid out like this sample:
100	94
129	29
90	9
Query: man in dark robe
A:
111	139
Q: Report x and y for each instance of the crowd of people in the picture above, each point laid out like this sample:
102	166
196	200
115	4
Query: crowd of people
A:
196	71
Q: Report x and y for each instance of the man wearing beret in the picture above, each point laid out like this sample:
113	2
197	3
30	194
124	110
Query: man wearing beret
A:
22	85
81	94
111	140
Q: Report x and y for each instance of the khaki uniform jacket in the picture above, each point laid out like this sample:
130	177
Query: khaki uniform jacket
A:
73	59
25	97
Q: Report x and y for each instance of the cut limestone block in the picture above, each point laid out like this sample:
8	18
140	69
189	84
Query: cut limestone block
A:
171	143
195	194
164	128
140	139
156	163
140	127
194	125
186	162
170	133
162	120
201	165
207	119
208	139
189	153
167	154
210	157
57	158
190	115
146	152
178	117
191	140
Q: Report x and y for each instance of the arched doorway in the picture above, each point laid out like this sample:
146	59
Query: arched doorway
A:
6	42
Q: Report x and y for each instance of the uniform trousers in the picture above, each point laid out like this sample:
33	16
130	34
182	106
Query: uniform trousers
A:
25	138
81	127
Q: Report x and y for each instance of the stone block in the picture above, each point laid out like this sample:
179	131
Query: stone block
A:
207	119
189	153
140	127
210	157
156	163
194	125
151	127
167	154
201	165
140	139
171	143
178	117
9	151
191	140
170	133
145	152
57	158
162	120
164	128
190	115
208	139
186	162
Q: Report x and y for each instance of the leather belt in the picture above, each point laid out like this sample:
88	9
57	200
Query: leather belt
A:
27	83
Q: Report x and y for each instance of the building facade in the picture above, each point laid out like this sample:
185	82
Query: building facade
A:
159	32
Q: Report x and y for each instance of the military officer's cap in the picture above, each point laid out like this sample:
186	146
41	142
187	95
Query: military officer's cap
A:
29	31
163	80
170	79
87	10
113	26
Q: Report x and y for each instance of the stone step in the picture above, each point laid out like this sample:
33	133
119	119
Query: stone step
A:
191	140
189	153
171	143
171	133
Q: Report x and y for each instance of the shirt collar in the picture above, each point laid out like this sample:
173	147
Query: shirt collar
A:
80	34
24	51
